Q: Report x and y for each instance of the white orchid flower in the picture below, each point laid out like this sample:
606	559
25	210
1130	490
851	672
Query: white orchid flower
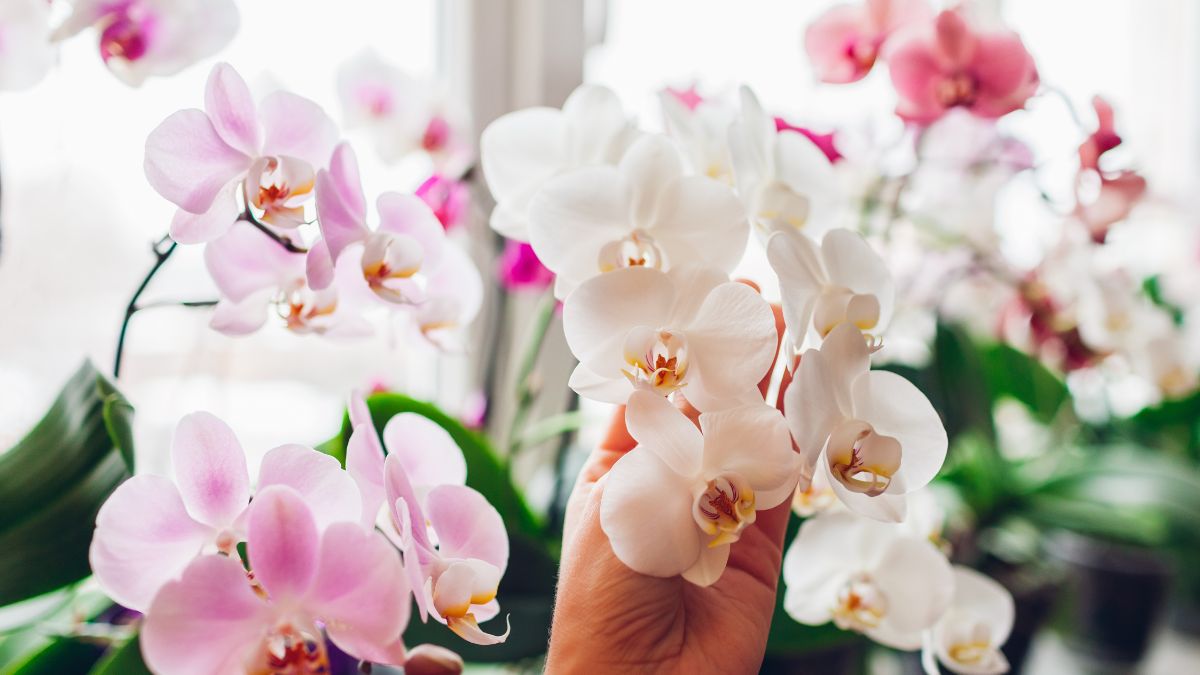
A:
784	180
522	150
702	130
874	434
689	330
866	576
675	503
644	212
843	280
968	637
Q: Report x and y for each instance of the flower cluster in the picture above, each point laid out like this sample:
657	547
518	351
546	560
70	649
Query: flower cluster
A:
137	39
313	553
279	205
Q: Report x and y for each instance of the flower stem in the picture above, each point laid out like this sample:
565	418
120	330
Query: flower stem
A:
282	240
161	256
528	384
558	496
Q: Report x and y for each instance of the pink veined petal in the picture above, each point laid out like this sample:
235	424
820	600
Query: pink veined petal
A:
753	442
282	543
230	107
1004	73
359	412
640	483
408	215
212	599
398	490
709	567
210	469
340	226
467	525
343	168
663	431
144	538
188	163
294	126
360	592
430	455
197	228
915	72
318	266
898	409
731	345
245	261
419	576
241	318
364	463
830	41
330	492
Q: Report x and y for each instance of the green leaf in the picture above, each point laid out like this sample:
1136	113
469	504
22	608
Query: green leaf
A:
123	660
53	482
1010	372
61	655
552	427
485	472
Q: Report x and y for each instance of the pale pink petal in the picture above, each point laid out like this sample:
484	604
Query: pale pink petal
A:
430	455
245	261
197	228
188	163
662	430
230	106
916	72
639	484
212	599
467	525
399	492
408	215
360	592
210	469
144	538
241	318
296	127
282	543
709	566
1004	73
838	44
318	266
343	168
364	463
340	226
328	491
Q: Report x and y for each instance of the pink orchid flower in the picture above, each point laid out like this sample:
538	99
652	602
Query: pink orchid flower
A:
151	527
344	578
144	38
454	542
521	269
688	98
26	53
395	257
449	199
258	278
822	141
844	42
951	63
1104	198
201	159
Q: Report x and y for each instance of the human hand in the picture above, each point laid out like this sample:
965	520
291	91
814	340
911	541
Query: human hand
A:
607	616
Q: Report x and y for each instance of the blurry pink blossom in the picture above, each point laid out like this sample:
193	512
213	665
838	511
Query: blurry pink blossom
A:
951	63
1104	198
822	141
449	199
143	38
520	268
844	42
690	98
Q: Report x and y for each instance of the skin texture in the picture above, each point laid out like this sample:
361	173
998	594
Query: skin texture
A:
608	618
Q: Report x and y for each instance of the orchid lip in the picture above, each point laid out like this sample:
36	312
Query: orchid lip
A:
861	459
287	649
658	359
724	509
638	249
861	605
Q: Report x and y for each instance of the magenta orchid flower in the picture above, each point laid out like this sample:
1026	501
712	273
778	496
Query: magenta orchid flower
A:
823	141
1104	197
454	542
343	578
258	278
144	38
951	64
396	257
151	527
844	42
521	269
26	53
449	199
268	152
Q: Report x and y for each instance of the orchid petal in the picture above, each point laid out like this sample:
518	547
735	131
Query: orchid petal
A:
282	542
144	538
297	127
430	455
700	221
230	107
188	163
888	507
467	525
364	463
662	430
241	318
918	583
326	488
408	215
753	442
210	469
709	567
898	409
732	342
854	264
574	215
399	491
197	228
598	315
245	261
340	226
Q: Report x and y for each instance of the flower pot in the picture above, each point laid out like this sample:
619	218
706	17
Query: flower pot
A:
1114	596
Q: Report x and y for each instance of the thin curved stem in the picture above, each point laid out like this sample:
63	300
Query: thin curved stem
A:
283	240
161	256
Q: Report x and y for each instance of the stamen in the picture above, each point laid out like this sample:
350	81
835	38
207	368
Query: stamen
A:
724	509
658	359
861	605
636	250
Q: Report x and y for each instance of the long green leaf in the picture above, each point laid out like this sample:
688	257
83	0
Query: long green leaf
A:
53	482
125	659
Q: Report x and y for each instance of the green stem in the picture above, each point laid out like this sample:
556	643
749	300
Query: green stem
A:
527	381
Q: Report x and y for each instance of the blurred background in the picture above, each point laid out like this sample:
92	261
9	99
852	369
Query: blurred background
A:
1077	487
